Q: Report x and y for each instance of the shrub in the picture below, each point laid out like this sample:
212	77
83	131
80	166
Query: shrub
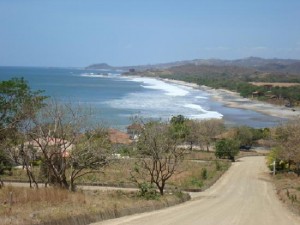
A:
204	173
147	191
218	166
227	148
196	182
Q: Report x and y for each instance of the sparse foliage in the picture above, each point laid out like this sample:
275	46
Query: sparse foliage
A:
57	135
90	154
159	157
204	132
288	141
209	130
244	135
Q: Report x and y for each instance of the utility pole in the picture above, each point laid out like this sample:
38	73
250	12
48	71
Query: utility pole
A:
274	167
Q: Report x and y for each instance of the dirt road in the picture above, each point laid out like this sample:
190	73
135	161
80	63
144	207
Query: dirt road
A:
243	196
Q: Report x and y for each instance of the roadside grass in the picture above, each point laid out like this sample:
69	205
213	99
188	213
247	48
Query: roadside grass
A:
201	155
39	206
199	175
31	206
288	190
250	153
118	174
189	176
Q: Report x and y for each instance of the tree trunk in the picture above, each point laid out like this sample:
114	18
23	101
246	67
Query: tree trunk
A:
191	146
30	175
161	188
64	182
1	183
72	185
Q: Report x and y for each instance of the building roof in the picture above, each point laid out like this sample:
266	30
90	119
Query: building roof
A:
118	137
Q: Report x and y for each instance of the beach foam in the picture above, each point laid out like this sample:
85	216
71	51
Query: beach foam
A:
175	100
205	114
201	97
169	89
106	75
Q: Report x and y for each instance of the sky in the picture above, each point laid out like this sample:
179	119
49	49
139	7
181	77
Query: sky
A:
77	33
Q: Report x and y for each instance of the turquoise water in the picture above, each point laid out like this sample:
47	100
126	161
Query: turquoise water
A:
114	99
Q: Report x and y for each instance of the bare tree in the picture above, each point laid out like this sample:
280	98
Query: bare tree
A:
209	130
57	134
287	137
90	154
159	156
204	132
193	127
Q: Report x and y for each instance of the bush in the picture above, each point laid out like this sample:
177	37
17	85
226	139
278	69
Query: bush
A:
196	182
218	166
227	148
204	173
5	163
147	191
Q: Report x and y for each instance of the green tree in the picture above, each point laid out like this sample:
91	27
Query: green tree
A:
227	148
18	105
178	127
17	102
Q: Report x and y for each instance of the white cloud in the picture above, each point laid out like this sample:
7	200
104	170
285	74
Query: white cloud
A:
259	48
219	48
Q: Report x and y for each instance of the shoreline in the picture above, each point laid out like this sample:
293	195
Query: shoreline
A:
234	100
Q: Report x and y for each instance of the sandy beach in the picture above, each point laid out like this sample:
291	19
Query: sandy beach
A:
234	100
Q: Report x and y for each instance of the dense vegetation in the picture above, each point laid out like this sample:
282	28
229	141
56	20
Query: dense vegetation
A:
238	79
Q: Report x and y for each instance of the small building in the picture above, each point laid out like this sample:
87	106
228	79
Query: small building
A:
134	130
119	137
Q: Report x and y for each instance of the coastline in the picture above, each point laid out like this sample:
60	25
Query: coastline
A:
234	100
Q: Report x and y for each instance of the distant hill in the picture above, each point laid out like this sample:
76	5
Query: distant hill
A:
241	75
267	65
99	66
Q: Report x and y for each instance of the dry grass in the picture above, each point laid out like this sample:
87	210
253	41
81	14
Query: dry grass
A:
31	206
201	155
251	153
118	174
199	175
288	190
275	84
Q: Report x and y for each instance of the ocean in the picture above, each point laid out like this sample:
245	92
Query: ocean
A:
115	99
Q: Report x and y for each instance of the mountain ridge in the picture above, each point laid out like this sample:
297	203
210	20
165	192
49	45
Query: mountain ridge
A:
257	63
